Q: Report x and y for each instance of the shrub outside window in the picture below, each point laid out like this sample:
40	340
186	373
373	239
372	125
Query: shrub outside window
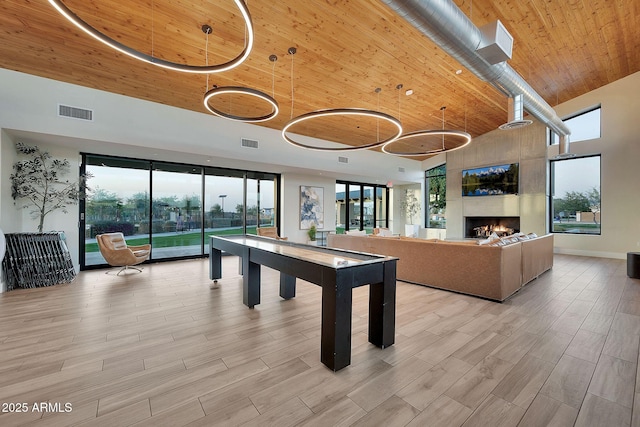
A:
436	188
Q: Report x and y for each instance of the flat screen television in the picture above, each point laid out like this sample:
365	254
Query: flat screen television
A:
491	180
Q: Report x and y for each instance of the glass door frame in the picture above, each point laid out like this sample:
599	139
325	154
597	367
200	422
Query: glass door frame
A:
204	171
358	186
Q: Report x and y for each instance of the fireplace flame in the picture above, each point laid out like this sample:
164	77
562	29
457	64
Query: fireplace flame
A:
487	230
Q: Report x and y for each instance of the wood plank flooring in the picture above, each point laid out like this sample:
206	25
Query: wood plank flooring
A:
162	348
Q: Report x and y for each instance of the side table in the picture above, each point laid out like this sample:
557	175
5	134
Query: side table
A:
633	265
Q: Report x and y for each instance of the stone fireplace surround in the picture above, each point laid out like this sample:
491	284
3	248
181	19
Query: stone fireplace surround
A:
482	226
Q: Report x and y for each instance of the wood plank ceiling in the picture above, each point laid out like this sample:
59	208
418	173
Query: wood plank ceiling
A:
345	50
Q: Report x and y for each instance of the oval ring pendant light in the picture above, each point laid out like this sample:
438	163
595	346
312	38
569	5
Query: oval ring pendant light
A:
238	90
464	137
198	69
342	112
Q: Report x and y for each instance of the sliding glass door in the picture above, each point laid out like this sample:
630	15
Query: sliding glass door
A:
224	203
341	207
381	210
118	200
261	199
361	207
175	207
176	223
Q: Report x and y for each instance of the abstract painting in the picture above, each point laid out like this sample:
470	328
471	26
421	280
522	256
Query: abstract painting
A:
311	207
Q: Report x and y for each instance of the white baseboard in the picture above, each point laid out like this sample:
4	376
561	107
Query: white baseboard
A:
597	254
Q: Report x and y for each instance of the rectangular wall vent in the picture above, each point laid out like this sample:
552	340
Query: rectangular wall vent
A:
249	143
343	159
401	170
75	112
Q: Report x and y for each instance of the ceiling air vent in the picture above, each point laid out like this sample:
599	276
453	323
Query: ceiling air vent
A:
75	112
343	159
401	170
249	143
516	109
497	44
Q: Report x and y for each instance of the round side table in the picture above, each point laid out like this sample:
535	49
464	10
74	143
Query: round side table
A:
633	265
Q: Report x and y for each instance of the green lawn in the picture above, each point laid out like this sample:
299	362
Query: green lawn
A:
174	240
576	227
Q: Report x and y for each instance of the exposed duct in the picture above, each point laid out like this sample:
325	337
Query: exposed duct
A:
563	145
515	117
444	23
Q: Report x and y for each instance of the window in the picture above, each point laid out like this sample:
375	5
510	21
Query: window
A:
583	126
575	195
176	207
436	203
176	210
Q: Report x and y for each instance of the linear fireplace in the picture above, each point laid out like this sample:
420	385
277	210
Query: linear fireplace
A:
483	226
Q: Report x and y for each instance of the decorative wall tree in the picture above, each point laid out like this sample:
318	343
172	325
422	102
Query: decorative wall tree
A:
410	205
38	182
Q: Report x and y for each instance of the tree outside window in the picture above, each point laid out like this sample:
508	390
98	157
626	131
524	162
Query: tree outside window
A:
436	203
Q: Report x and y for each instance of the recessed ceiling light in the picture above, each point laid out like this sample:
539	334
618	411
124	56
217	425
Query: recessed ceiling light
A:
458	72
409	92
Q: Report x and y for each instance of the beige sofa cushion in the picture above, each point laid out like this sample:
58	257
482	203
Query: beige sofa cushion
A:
537	257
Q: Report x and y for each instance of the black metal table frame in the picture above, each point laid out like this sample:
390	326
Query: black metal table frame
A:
337	283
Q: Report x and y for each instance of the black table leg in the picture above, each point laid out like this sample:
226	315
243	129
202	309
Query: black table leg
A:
382	308
287	286
335	351
215	264
250	280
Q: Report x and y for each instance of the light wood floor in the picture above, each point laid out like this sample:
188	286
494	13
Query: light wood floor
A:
161	348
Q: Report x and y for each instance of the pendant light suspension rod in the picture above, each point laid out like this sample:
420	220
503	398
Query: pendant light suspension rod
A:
291	51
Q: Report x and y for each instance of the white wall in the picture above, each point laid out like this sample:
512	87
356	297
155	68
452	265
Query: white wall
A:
290	206
10	218
29	103
59	221
16	219
399	217
619	147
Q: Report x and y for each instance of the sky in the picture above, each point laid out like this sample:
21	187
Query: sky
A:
127	182
580	174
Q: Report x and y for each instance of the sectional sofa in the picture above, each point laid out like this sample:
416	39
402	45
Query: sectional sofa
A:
494	270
